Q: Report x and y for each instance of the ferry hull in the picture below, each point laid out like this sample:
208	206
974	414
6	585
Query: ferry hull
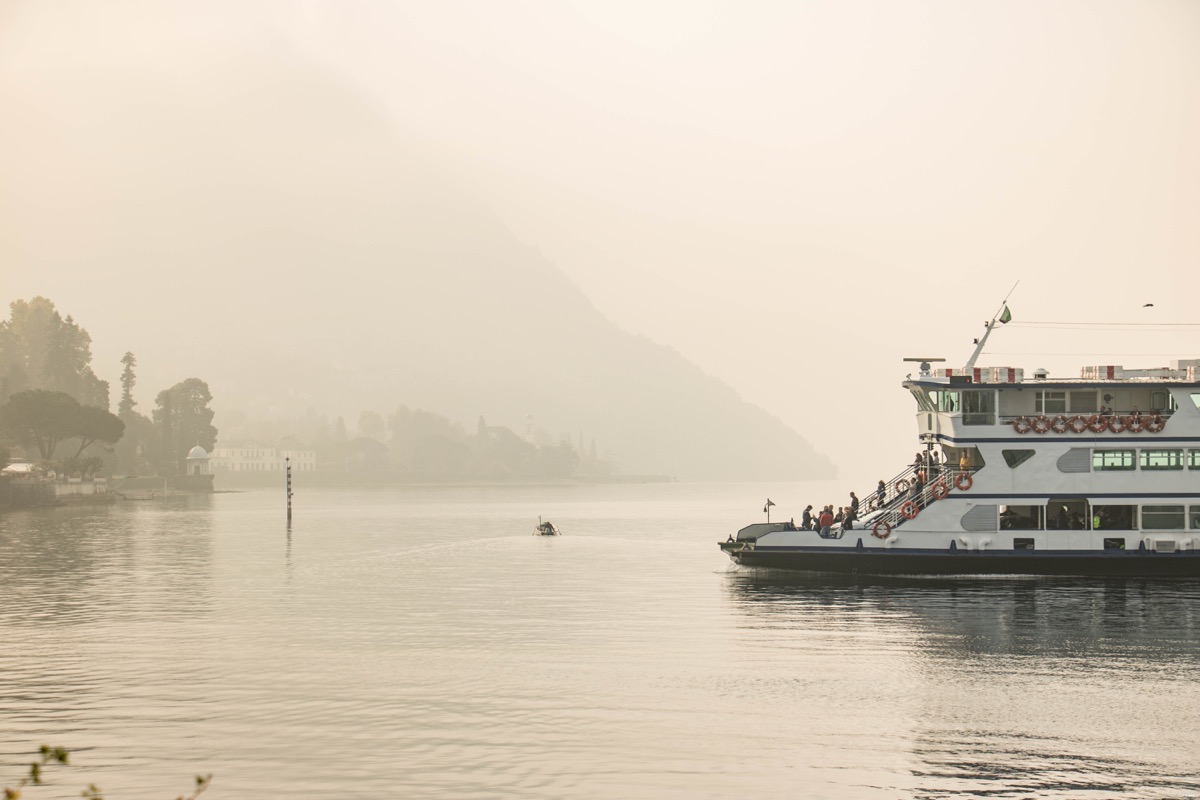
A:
1131	564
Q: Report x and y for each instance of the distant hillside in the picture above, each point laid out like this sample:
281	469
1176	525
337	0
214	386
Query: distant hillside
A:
251	221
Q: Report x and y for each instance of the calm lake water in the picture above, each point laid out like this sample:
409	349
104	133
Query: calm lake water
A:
420	643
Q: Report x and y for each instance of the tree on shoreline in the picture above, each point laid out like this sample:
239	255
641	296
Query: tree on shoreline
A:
183	420
40	349
44	419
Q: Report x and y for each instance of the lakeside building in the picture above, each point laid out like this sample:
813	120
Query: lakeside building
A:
257	458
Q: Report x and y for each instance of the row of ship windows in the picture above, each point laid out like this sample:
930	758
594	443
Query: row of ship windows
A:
1103	460
1116	460
1082	515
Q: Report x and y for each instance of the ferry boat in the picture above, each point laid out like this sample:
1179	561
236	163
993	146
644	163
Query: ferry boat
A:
1095	475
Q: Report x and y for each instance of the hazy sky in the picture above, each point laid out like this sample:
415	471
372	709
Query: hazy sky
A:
793	195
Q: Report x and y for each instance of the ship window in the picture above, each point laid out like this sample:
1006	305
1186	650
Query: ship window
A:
1162	518
1051	402
1114	518
979	408
1193	459
1112	459
1020	518
1114	543
1162	459
1022	544
948	401
923	401
1015	458
1063	514
1194	517
1083	403
1162	401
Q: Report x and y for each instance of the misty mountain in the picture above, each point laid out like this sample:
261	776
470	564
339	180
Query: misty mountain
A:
250	220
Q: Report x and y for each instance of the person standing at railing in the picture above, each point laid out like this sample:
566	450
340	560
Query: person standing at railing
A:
854	504
806	519
826	521
964	460
880	494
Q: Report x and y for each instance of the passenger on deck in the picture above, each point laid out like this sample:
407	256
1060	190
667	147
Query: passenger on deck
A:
880	494
964	460
854	504
806	519
825	522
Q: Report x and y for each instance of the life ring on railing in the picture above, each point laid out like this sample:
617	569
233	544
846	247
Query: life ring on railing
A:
1157	423
1078	424
939	490
1041	424
1117	423
1059	424
1022	425
1135	424
902	486
1098	424
963	481
887	529
909	509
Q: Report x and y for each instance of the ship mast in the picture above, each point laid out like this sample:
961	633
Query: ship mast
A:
981	341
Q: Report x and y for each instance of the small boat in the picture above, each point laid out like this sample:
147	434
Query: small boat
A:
1020	475
546	529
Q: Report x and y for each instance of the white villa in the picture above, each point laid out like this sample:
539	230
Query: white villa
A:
257	458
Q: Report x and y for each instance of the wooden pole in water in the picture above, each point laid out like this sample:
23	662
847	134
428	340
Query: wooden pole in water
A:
288	461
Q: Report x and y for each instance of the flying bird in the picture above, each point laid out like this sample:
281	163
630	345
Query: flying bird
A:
1148	305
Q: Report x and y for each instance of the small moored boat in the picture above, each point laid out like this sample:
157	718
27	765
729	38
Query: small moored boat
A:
546	529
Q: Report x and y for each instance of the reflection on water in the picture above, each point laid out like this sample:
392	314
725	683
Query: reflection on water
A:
421	643
1039	687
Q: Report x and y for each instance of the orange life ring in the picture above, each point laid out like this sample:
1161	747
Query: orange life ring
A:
1135	424
887	529
940	490
1117	423
1097	424
1078	424
1059	424
902	486
963	481
1156	423
1022	425
909	509
1041	424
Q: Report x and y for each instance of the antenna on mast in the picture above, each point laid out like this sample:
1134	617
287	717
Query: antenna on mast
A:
1000	312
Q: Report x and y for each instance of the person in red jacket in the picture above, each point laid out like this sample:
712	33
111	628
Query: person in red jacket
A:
826	521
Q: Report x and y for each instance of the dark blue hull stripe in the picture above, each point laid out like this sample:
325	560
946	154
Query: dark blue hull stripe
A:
1116	439
895	561
1014	496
